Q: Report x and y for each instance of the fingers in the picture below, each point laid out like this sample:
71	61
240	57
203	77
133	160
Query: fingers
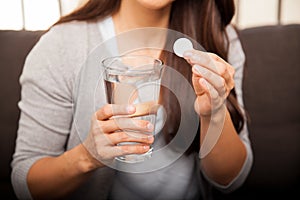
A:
213	93
114	133
130	149
216	101
145	108
116	144
198	57
125	124
106	154
215	80
204	59
119	137
214	69
136	110
106	145
208	60
110	110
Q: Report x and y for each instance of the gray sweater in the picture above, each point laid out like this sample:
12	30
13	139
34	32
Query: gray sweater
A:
58	98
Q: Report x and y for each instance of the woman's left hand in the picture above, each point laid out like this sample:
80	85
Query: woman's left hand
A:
212	80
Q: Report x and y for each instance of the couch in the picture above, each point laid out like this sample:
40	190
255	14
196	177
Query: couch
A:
14	46
271	94
271	88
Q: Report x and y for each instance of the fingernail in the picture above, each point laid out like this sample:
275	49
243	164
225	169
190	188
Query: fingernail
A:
150	137
130	109
187	54
149	126
146	147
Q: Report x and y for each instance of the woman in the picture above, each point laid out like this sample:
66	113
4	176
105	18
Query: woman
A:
50	162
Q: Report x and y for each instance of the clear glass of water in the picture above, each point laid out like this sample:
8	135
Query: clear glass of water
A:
134	79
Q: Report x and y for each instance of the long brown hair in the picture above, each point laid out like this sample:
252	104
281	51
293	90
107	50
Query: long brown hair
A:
202	20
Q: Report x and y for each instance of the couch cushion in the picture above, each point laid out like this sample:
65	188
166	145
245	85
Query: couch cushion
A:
15	45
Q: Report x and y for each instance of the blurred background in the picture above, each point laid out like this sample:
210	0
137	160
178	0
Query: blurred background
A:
39	15
270	36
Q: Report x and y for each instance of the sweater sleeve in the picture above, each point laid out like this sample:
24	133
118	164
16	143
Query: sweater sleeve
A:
236	58
46	110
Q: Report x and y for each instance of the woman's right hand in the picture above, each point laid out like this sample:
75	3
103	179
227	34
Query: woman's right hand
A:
107	131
